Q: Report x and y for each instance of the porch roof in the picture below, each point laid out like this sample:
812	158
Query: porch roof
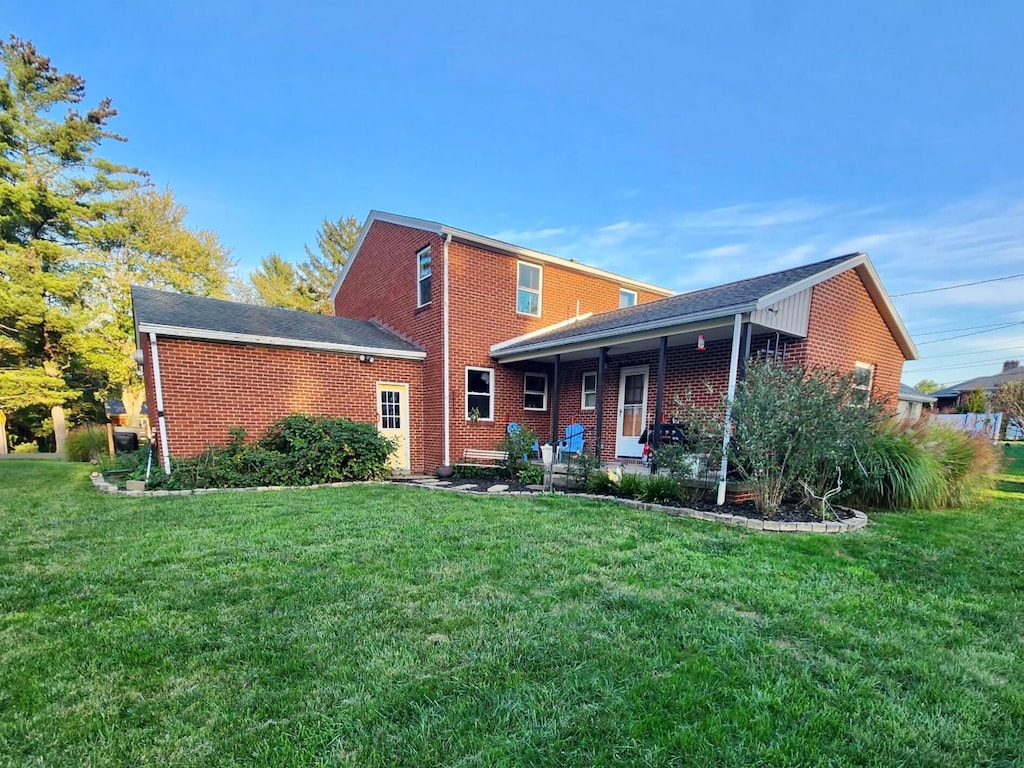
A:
709	309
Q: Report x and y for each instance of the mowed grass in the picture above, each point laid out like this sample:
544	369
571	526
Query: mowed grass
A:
397	626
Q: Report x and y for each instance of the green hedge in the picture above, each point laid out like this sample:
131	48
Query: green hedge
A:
297	450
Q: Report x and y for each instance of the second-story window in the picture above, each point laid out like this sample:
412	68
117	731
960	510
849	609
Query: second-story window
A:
528	293
423	277
627	298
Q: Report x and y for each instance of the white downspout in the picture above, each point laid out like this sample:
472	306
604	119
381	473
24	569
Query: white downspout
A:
734	366
164	450
446	388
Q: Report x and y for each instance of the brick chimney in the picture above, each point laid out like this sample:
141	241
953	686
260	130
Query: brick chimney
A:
1009	365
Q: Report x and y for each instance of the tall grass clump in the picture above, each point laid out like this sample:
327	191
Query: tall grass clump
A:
86	443
925	466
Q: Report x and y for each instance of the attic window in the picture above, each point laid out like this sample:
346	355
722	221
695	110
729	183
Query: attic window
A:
528	293
423	276
863	378
627	298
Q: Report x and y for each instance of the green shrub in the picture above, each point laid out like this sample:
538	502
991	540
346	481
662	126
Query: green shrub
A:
580	470
86	443
519	445
530	474
659	489
796	433
26	448
632	485
297	450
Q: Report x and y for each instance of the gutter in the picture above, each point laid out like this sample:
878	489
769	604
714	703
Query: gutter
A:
278	341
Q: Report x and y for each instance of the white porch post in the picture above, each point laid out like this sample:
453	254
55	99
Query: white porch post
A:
734	364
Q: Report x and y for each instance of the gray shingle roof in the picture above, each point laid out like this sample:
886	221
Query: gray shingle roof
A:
914	395
219	317
987	383
721	300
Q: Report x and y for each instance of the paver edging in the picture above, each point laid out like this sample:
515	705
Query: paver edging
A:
855	523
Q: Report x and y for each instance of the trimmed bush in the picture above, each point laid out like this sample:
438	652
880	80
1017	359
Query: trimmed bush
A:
297	450
660	489
86	443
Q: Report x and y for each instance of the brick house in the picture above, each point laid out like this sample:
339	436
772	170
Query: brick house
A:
483	332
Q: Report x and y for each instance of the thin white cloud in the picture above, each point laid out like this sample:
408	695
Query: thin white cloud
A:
752	216
523	237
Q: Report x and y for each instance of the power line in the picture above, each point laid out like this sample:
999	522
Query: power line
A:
958	285
965	328
1017	350
915	328
975	333
969	364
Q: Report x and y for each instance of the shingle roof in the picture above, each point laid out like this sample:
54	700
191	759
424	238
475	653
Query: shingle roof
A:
719	301
987	383
914	395
222	320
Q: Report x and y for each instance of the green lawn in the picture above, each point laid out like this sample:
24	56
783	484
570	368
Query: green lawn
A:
398	626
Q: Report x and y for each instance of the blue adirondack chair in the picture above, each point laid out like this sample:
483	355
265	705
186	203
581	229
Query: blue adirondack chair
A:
575	437
513	428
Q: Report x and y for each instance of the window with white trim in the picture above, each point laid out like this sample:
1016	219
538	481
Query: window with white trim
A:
588	400
528	289
863	378
479	394
423	276
535	391
627	298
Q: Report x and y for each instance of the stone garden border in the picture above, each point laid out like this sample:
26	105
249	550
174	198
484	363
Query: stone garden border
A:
858	521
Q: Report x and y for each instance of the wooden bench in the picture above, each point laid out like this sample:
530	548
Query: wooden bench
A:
478	457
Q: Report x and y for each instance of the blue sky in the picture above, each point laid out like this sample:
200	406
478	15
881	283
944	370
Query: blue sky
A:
682	143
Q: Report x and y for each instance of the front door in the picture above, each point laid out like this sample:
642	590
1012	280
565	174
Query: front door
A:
632	411
393	422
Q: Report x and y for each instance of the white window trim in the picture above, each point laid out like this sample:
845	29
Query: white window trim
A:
534	391
584	390
540	288
490	383
636	297
420	278
871	381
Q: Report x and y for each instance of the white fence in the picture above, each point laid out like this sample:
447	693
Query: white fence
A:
981	424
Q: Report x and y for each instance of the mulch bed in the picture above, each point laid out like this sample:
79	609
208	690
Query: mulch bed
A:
790	512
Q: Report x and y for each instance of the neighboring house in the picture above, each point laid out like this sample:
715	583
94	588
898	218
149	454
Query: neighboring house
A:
911	403
956	395
482	333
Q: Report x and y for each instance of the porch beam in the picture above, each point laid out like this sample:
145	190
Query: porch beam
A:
554	401
655	437
747	333
734	362
602	361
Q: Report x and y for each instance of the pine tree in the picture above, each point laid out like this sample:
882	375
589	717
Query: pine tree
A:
277	284
320	270
57	206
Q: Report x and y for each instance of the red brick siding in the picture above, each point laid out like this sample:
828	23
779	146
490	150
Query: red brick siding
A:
210	387
381	285
846	328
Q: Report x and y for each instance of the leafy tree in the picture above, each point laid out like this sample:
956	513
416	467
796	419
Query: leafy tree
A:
277	284
927	386
57	199
320	270
976	401
155	248
1009	399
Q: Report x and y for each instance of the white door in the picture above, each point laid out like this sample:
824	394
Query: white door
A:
632	411
393	422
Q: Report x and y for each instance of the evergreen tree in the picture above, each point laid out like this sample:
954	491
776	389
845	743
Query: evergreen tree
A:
277	284
57	205
320	270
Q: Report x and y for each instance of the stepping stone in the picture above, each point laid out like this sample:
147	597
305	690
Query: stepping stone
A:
464	487
442	482
497	488
535	487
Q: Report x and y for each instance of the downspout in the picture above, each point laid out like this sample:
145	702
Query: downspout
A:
446	390
734	364
164	450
